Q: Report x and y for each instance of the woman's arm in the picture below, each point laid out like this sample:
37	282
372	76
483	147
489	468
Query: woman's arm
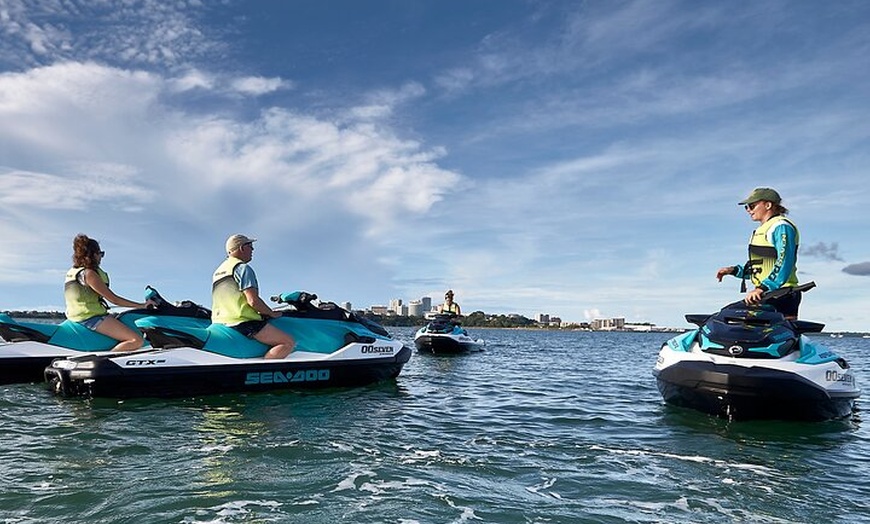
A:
93	280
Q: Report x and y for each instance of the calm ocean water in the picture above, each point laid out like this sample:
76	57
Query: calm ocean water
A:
542	427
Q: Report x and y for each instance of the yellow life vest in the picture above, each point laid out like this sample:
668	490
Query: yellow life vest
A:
229	305
452	308
82	302
762	252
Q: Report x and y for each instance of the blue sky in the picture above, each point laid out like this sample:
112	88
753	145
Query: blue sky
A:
581	159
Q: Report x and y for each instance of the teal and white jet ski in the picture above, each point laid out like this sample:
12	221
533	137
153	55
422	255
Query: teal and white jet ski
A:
444	335
750	362
334	348
29	347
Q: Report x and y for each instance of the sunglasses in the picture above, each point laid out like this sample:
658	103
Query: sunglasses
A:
750	207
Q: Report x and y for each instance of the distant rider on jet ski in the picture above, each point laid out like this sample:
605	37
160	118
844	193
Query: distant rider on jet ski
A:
449	306
236	299
772	252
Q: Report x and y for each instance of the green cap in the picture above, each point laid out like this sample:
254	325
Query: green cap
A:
761	193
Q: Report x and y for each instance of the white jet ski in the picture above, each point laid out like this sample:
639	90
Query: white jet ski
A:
444	335
334	348
750	362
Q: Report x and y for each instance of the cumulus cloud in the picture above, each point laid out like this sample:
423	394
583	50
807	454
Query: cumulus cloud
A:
861	269
77	111
113	135
256	85
823	251
361	168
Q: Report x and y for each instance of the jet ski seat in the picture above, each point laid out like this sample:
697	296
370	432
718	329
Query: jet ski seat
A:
13	331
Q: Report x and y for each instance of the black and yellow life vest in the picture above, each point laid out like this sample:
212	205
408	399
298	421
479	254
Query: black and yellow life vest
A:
229	305
762	252
452	308
82	302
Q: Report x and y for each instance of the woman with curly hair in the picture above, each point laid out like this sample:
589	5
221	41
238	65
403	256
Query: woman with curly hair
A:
86	290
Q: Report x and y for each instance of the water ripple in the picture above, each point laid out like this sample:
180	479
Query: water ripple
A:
540	427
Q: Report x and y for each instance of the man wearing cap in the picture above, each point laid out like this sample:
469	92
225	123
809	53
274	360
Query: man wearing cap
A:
236	299
773	250
449	306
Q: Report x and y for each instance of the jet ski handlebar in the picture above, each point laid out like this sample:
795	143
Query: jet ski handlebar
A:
781	292
152	295
298	299
766	296
184	308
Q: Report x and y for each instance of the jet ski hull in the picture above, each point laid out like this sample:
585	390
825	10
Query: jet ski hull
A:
30	346
445	344
810	383
25	352
737	392
751	362
181	372
19	370
444	335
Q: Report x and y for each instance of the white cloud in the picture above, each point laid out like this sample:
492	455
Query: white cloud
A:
91	141
77	110
362	169
380	104
592	314
193	79
113	186
149	32
255	85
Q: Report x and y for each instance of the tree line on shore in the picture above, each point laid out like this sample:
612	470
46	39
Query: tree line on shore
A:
476	319
50	315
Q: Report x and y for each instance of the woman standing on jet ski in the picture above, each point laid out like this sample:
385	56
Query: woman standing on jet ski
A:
86	290
772	252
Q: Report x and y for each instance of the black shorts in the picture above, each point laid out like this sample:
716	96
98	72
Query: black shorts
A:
250	328
787	305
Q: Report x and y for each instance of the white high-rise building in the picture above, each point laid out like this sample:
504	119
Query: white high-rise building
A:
396	306
608	324
415	308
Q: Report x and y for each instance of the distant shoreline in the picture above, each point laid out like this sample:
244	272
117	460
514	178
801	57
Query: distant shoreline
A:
35	314
57	315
